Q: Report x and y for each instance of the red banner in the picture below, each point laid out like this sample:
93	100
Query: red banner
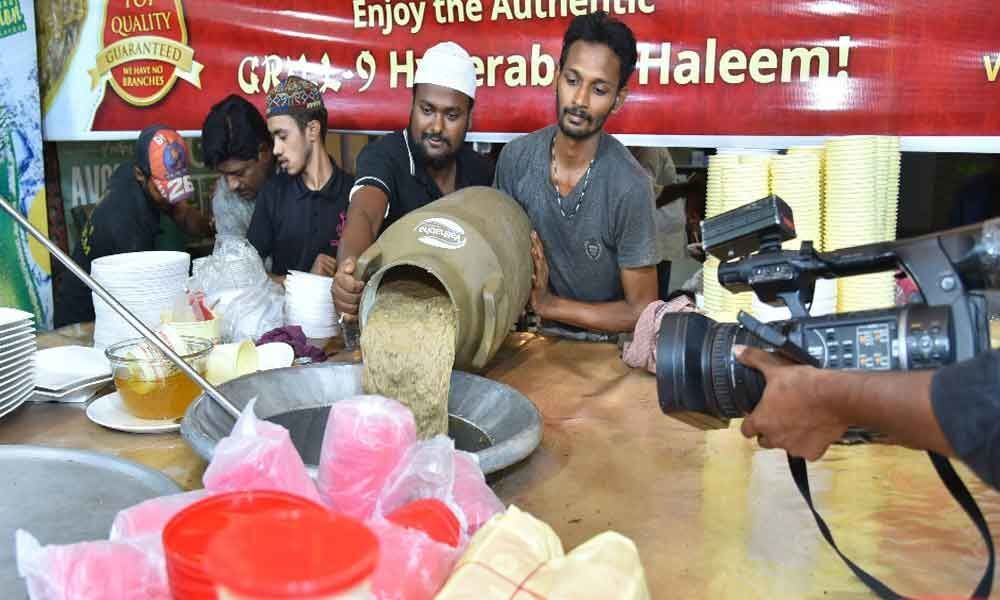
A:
713	68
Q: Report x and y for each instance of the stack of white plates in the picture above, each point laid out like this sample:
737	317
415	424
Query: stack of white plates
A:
147	283
17	359
70	373
309	304
862	191
824	303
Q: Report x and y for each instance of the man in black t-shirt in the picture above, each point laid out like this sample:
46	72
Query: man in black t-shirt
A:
300	212
411	168
156	181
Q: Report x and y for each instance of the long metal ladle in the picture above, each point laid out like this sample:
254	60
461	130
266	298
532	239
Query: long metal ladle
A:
121	310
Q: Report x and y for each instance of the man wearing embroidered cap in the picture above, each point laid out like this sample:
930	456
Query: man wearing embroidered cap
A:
412	167
127	219
299	212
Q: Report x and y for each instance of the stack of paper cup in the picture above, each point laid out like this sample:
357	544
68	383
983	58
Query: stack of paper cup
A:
735	178
795	178
309	304
862	188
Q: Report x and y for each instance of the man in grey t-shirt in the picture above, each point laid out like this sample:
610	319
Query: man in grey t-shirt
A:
589	200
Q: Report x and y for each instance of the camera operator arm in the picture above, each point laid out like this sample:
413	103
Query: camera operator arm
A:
797	398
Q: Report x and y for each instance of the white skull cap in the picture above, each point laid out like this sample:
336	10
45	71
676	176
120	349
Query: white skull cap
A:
447	64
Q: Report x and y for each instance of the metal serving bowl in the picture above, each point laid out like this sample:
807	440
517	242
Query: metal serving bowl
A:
494	421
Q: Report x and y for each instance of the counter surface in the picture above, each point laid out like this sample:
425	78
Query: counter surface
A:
713	515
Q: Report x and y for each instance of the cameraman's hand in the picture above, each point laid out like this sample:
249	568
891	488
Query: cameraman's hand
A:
793	414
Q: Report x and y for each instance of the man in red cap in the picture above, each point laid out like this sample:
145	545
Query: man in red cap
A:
157	180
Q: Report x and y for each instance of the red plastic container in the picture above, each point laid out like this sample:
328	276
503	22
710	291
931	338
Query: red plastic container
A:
189	533
304	555
431	516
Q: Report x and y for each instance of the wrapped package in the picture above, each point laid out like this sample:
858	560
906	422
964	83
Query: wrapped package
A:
517	557
426	471
258	455
106	570
411	565
505	552
151	516
434	469
605	566
366	438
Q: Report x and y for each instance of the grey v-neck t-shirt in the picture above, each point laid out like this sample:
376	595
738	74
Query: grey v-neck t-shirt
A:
612	230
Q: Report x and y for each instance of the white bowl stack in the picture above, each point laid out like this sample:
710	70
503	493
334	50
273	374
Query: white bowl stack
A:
17	359
147	283
309	304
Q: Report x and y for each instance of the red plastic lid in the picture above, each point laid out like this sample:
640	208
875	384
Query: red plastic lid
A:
292	555
431	516
188	534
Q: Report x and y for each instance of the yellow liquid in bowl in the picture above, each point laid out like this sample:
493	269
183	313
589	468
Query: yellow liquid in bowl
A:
165	398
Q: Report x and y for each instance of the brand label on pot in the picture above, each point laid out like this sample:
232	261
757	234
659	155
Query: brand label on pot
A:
441	233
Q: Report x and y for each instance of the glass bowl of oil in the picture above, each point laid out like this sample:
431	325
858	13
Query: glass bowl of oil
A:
150	385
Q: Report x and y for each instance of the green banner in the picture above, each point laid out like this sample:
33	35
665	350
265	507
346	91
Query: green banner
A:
25	266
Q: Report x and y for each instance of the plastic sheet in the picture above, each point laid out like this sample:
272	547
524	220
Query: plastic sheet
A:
411	565
105	570
366	438
151	516
258	455
238	289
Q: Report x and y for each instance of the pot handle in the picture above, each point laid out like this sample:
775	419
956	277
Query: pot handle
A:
370	260
491	287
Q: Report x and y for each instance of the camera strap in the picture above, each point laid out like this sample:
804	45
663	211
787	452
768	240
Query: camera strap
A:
958	491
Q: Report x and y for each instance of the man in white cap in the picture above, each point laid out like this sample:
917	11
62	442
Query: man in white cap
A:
411	168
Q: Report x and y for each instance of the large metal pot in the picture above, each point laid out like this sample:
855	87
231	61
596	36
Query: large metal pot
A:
496	422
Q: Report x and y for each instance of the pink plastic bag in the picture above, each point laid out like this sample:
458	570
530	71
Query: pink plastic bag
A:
122	570
365	439
478	502
433	469
258	455
151	516
411	565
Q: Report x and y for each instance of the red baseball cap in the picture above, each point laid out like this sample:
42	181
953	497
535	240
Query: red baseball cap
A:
163	155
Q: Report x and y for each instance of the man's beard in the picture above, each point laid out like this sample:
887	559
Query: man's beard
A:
596	124
435	163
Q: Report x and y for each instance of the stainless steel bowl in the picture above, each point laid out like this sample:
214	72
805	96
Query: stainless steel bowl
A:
496	422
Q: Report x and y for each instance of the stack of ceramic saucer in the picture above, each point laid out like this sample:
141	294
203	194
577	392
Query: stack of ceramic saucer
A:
17	359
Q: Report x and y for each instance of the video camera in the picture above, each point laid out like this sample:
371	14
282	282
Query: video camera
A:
700	382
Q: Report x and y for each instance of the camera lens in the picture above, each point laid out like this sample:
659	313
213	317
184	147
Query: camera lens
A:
698	379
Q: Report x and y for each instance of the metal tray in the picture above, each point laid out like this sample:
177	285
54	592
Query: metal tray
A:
495	421
65	496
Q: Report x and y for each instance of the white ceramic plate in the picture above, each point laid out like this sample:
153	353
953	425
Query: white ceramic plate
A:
109	411
67	367
10	316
